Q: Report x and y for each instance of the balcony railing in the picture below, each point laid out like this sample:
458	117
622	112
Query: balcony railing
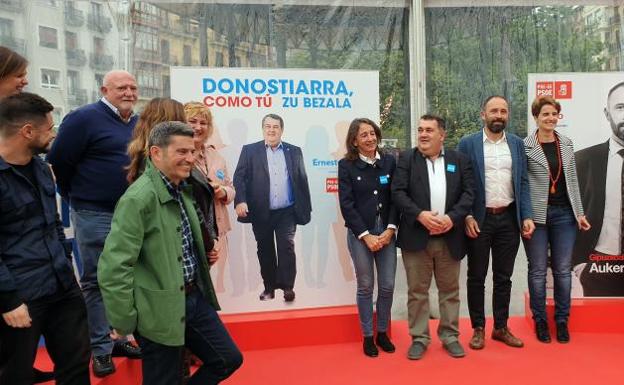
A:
101	62
99	23
186	28
77	97
74	17
76	57
11	5
17	45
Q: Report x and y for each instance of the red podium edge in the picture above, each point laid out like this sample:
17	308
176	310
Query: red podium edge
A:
291	328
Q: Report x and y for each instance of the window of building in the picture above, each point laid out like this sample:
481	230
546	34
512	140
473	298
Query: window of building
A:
6	27
164	51
187	55
73	82
50	78
99	46
146	40
48	37
71	40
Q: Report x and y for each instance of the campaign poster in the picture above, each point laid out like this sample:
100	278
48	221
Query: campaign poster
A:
592	115
316	107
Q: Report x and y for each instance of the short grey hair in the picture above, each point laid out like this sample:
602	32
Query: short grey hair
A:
162	132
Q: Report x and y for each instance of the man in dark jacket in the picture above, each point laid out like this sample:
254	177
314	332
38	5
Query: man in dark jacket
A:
272	193
38	290
433	190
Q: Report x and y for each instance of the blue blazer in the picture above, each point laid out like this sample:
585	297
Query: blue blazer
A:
472	145
251	181
364	190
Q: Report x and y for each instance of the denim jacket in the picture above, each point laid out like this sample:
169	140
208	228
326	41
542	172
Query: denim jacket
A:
35	258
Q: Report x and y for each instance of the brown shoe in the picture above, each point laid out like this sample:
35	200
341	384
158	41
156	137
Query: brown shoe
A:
478	339
505	336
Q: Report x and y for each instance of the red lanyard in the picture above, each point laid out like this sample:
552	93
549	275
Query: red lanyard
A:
553	181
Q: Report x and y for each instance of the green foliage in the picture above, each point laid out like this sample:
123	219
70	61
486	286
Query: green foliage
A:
473	53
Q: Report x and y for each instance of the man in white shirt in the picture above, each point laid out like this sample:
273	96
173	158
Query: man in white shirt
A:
433	189
598	252
502	207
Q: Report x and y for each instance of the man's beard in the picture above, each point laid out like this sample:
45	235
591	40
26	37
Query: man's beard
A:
38	150
496	126
618	130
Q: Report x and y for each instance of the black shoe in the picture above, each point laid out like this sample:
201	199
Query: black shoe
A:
103	365
267	295
563	335
541	331
41	376
369	347
289	295
126	349
384	342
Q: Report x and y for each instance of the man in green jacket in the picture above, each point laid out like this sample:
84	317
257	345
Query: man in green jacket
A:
153	272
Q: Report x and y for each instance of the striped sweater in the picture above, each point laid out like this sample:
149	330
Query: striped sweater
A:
539	180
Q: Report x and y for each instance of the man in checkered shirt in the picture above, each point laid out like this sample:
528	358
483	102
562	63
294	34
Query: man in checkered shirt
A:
153	272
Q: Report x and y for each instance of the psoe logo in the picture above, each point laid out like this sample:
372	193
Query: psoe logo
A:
557	90
331	185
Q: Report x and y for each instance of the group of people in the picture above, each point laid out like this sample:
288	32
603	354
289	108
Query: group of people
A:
478	200
146	238
148	196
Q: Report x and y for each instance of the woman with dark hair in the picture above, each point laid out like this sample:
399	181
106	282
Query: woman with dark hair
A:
12	72
557	212
364	178
156	111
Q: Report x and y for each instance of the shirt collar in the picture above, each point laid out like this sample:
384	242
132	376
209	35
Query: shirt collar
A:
173	189
370	160
279	146
501	140
441	155
116	110
614	147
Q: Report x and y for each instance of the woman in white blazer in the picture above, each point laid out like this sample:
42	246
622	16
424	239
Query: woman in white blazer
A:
557	212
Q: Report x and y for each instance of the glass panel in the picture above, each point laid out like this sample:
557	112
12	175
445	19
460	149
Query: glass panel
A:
474	52
148	37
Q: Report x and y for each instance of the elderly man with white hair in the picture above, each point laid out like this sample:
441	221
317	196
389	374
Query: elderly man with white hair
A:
88	158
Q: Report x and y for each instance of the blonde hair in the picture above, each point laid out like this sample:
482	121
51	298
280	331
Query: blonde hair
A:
156	111
194	109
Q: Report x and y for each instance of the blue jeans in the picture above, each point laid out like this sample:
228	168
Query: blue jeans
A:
558	235
205	336
364	261
90	230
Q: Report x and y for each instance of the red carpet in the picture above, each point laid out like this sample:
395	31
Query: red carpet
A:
589	358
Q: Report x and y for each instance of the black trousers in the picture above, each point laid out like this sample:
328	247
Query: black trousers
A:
501	235
62	319
205	336
277	264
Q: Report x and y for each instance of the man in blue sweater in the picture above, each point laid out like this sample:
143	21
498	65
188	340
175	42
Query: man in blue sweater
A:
88	158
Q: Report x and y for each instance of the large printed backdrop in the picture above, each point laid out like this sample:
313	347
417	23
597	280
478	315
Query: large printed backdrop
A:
583	98
317	106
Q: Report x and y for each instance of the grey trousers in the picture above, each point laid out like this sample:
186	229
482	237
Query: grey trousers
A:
435	260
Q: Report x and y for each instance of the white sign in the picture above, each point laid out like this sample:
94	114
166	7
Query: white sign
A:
317	107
